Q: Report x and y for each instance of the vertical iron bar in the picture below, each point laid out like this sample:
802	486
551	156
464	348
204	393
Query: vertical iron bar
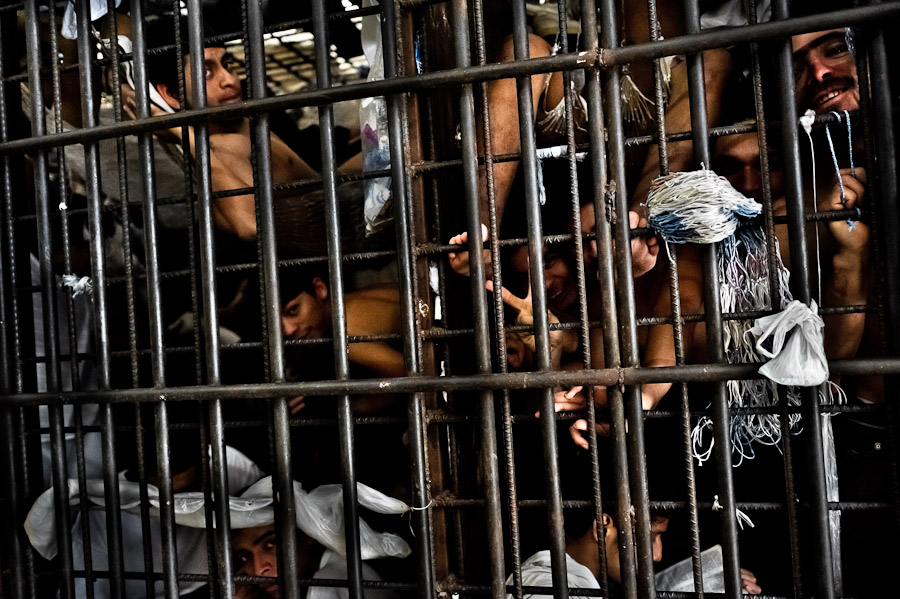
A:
713	318
151	259
70	314
23	585
124	213
624	286
101	332
338	314
486	418
774	284
539	298
500	338
800	278
605	190
677	321
889	216
48	305
598	156
406	267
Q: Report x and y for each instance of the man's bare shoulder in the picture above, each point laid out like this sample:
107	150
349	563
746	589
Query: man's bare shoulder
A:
380	292
373	310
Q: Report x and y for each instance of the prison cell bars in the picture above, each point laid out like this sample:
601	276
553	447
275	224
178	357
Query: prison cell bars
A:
399	145
48	305
768	216
885	141
677	320
595	124
338	316
713	311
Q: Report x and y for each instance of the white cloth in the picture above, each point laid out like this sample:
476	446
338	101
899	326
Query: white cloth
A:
537	572
733	13
83	311
320	514
334	567
70	18
190	542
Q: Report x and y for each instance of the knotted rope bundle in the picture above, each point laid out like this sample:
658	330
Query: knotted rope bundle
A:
696	207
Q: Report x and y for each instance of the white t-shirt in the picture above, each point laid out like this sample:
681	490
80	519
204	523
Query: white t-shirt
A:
536	572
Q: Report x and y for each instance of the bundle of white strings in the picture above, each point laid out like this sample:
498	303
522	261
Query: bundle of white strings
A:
696	207
743	269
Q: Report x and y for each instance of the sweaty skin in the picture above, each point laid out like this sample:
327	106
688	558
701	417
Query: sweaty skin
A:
230	147
373	310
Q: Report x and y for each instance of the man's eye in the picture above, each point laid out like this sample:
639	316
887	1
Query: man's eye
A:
209	73
837	50
269	545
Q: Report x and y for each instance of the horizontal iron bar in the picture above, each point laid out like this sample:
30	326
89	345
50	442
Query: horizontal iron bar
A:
475	74
513	380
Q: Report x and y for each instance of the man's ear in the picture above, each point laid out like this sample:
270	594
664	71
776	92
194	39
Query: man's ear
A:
321	289
169	99
607	524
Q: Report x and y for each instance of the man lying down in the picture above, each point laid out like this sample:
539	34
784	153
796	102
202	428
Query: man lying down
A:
320	535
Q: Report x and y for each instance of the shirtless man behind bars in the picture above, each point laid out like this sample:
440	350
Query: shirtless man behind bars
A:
229	139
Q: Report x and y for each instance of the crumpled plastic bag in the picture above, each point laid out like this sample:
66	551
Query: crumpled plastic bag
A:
41	530
373	127
70	19
800	360
320	513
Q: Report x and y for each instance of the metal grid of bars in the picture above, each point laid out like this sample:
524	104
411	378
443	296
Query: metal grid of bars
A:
455	450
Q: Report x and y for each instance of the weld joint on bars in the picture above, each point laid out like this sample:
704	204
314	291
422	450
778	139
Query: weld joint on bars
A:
609	57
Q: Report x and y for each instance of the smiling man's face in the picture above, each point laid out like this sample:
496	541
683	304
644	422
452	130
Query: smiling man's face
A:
824	72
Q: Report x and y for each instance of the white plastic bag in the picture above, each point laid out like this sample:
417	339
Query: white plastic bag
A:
41	530
800	360
373	130
70	19
320	514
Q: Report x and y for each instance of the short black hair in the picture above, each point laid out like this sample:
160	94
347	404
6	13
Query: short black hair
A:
294	280
577	484
163	52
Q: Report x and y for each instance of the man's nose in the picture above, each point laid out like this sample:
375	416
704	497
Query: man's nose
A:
288	326
230	79
749	181
265	567
657	550
820	71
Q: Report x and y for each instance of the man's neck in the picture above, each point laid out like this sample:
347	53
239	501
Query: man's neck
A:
584	551
241	127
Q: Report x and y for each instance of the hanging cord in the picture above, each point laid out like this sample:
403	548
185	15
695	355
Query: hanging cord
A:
806	121
837	169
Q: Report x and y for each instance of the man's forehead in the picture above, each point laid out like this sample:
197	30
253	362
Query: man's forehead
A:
215	53
806	41
247	537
